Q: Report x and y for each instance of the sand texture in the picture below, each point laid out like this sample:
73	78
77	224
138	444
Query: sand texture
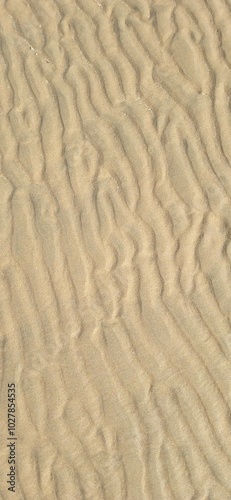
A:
115	248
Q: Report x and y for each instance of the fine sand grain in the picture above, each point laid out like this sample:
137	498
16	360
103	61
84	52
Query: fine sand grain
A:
115	248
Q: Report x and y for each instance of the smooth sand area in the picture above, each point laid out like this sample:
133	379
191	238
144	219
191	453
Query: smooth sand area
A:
115	252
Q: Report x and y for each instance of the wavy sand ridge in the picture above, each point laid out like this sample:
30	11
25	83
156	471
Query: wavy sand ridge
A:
115	220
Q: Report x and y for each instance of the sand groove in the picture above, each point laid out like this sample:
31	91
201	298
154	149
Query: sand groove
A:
115	223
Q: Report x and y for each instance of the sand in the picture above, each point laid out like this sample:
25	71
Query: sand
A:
115	253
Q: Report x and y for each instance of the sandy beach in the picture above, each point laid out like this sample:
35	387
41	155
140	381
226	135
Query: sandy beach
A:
115	249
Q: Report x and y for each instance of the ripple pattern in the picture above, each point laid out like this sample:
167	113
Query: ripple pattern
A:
115	247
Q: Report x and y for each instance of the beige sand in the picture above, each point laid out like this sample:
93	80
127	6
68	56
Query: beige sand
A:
115	224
